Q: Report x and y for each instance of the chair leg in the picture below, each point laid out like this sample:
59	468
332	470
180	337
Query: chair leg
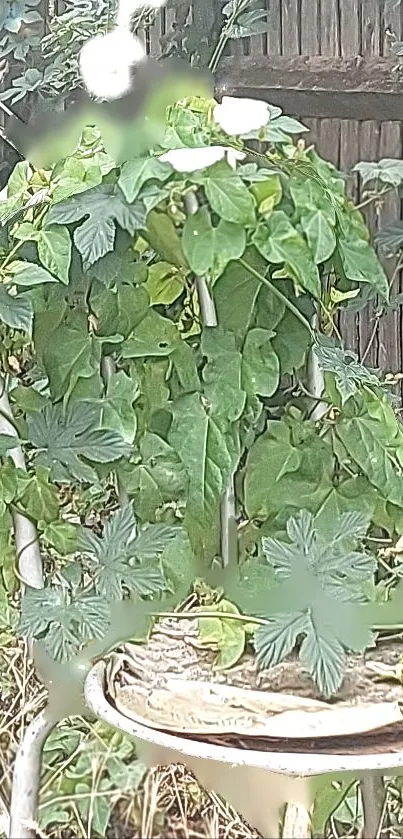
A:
373	800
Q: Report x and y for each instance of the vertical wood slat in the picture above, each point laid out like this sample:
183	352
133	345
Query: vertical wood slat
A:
349	154
330	43
371	28
391	21
290	34
329	140
274	42
390	338
310	40
350	29
368	347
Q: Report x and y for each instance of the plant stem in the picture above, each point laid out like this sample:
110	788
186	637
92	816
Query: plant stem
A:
212	614
316	381
279	294
26	777
229	530
27	769
108	368
206	302
26	537
225	35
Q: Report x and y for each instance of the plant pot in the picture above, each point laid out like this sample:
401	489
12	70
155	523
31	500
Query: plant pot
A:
257	784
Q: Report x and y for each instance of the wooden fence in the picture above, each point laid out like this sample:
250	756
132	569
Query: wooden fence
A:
346	93
340	30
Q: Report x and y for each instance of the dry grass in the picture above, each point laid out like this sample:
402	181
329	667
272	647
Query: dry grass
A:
171	802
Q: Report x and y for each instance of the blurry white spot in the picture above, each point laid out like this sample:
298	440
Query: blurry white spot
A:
191	160
236	115
106	62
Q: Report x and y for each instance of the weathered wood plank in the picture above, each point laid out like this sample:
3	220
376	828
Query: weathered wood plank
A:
368	347
329	140
391	22
371	28
330	43
349	154
290	27
390	336
318	86
350	28
274	44
310	40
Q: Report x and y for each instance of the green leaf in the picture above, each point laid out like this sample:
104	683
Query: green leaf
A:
179	565
268	193
15	311
7	442
279	242
62	536
105	207
72	355
228	637
358	259
325	659
209	452
164	284
260	364
135	173
387	170
289	125
274	642
40	498
310	195
373	441
320	235
117	412
29	274
76	176
320	595
119	312
227	194
210	249
94	239
66	438
349	374
235	294
54	251
19	179
113	560
291	343
49	615
153	336
27	398
287	469
157	479
161	234
222	374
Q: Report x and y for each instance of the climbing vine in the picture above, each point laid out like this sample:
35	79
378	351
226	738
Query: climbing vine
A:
161	349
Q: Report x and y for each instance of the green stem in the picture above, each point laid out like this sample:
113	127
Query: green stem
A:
396	627
224	35
279	294
217	614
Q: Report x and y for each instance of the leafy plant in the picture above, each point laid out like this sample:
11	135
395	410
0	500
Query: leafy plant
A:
78	611
322	578
159	314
